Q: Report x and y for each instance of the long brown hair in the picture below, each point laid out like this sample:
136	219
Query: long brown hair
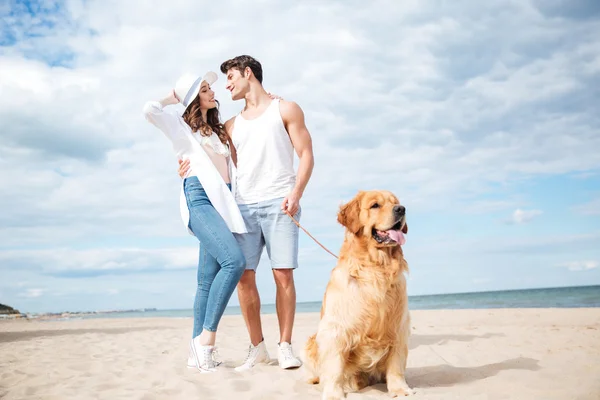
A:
193	117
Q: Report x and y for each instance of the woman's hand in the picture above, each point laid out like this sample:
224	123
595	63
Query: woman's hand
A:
170	99
274	96
184	167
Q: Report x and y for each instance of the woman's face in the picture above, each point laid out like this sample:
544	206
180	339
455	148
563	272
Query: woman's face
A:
207	97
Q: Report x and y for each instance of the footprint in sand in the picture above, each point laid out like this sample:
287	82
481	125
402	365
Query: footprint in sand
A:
241	386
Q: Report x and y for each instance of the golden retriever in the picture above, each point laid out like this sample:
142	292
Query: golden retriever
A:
362	337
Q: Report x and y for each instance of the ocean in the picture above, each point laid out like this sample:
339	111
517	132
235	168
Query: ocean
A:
567	297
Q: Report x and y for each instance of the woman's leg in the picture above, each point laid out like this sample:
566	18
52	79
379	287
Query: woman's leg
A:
223	251
207	269
221	261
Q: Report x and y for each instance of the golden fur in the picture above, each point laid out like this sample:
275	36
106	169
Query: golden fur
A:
362	337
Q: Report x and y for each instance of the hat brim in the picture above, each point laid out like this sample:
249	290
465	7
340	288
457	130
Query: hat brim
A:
210	78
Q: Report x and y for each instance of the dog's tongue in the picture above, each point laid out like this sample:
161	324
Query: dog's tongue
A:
397	236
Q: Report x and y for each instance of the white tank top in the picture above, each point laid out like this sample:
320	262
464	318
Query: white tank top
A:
265	157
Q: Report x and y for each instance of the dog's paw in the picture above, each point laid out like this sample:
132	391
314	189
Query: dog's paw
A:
336	394
313	380
401	391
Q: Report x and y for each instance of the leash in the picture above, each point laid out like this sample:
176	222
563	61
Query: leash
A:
311	236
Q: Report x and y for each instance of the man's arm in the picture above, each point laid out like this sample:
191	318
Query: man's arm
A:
229	129
184	166
293	119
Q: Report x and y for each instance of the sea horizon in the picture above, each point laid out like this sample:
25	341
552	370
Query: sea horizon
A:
553	297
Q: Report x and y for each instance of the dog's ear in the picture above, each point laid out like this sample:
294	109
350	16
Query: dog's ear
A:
349	215
405	228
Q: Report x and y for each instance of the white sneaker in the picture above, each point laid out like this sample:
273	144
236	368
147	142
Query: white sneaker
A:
202	357
191	361
286	357
256	354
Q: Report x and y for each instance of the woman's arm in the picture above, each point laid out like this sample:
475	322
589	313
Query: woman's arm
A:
166	122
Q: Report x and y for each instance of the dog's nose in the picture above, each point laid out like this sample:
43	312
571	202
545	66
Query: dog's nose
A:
399	210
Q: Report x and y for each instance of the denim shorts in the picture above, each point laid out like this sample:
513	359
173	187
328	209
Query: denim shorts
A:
268	226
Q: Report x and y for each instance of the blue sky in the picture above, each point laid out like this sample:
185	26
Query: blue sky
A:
482	118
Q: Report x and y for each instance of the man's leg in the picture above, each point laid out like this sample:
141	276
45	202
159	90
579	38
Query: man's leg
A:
252	244
250	305
285	302
281	240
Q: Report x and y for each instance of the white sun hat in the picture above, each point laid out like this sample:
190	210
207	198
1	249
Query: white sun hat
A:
188	86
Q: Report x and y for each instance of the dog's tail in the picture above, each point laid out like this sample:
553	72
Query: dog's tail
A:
311	355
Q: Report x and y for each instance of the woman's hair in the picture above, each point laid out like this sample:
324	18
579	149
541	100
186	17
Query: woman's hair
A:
193	117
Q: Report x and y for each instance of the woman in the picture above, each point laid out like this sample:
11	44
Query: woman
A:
207	206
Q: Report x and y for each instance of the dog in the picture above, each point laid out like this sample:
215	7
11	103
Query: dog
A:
362	336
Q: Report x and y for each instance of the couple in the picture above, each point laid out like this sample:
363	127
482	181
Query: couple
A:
238	187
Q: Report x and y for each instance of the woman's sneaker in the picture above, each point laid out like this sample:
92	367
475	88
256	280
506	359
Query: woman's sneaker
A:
256	354
203	357
286	356
191	361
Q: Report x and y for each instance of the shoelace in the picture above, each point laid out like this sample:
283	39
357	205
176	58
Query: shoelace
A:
251	351
215	354
287	353
207	359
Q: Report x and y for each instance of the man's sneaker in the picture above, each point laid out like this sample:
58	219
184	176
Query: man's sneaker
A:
286	356
191	362
203	357
256	354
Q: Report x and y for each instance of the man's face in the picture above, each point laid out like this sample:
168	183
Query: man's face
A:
237	84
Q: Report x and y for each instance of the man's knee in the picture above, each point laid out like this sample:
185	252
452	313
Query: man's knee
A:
248	280
284	278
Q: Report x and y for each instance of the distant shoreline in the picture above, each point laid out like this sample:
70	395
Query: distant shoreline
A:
558	297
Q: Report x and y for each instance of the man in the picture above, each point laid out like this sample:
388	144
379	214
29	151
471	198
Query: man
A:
265	135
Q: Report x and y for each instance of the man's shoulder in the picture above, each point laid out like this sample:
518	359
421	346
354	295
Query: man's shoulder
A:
229	125
290	109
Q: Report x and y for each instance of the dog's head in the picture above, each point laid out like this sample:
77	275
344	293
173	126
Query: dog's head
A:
377	215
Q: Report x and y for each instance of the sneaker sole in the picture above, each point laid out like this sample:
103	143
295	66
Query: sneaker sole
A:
255	364
290	366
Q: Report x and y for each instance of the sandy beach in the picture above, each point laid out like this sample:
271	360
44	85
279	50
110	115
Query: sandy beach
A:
462	354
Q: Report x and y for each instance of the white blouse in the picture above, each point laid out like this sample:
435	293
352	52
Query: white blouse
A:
186	146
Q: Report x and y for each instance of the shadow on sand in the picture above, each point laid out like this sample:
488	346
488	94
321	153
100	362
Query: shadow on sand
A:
446	375
19	336
428	340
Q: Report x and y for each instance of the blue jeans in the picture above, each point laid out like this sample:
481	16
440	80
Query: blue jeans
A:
221	261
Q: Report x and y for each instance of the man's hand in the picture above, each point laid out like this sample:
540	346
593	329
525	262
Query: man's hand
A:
291	204
184	167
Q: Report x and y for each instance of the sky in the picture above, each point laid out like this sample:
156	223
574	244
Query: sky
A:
482	117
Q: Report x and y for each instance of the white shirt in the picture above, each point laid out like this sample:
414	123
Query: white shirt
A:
185	147
265	157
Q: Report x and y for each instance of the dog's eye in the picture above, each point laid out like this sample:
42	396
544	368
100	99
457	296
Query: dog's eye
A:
375	205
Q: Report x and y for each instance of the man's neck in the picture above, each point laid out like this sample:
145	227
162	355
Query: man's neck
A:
256	97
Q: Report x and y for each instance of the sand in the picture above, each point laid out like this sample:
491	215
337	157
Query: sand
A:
454	354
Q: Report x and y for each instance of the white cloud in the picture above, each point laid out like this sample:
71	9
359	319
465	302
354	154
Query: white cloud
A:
523	216
104	261
37	292
590	208
580	265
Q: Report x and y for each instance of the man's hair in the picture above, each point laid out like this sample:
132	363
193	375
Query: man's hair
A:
240	63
